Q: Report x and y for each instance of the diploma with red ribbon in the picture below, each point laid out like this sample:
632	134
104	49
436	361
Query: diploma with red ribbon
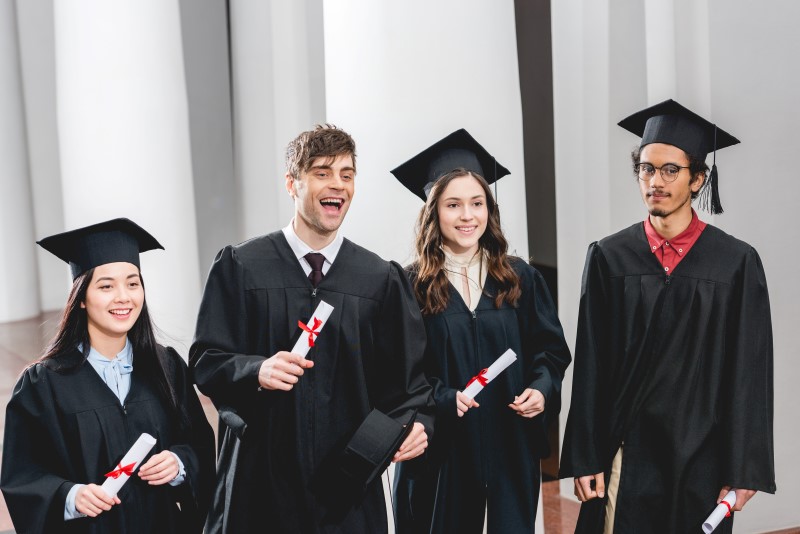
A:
311	330
722	511
117	477
479	381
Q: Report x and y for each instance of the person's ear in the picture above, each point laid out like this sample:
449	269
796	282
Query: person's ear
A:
290	185
697	183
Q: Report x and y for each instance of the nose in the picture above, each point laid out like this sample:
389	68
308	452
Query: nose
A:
337	183
122	295
466	214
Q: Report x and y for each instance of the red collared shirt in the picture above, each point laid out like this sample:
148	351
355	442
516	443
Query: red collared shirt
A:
670	252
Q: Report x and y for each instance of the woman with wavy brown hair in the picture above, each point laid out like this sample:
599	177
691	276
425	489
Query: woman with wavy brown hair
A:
481	473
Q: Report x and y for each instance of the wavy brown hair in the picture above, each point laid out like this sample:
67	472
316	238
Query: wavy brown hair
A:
324	141
430	282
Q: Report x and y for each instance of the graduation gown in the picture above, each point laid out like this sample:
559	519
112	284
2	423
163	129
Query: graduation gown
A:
65	427
490	457
679	368
274	445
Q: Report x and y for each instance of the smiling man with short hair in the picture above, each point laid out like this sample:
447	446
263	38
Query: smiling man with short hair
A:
286	420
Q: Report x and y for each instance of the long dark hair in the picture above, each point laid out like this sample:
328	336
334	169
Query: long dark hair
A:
73	330
430	282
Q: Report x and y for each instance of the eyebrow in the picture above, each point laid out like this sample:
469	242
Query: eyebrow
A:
667	163
134	275
458	198
329	168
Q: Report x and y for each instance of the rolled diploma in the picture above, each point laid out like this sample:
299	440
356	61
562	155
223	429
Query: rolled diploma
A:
134	456
322	313
499	365
719	513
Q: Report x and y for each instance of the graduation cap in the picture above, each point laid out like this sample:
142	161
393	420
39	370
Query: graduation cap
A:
459	149
98	244
672	124
371	449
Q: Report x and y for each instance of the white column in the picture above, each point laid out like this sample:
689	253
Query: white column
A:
599	77
660	37
754	78
37	53
278	92
124	133
19	288
401	75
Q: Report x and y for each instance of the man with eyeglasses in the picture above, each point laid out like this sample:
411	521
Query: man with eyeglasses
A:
672	395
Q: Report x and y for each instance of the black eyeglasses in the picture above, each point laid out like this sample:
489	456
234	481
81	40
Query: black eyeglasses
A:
669	171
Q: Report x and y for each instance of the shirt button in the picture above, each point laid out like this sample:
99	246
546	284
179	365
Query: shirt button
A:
666	268
680	250
654	247
666	243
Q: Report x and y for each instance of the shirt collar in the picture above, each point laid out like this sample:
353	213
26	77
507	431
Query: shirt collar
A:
680	242
300	248
125	355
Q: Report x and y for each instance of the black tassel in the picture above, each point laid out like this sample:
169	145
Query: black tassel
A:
713	178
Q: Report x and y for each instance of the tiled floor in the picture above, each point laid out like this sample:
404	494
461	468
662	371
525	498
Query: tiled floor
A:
21	342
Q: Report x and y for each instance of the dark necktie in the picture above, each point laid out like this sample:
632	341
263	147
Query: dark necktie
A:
315	260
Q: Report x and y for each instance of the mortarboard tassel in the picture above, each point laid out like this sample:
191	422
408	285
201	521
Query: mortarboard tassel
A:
709	194
713	177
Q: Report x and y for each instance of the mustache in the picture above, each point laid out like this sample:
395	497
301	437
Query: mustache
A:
651	192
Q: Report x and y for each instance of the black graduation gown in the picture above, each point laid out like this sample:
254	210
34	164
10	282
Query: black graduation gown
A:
678	367
65	427
491	455
275	444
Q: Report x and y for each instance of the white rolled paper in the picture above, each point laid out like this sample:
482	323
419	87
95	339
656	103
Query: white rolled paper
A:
318	319
719	513
119	475
500	364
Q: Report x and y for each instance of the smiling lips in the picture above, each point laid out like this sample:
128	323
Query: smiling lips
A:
122	313
332	203
466	229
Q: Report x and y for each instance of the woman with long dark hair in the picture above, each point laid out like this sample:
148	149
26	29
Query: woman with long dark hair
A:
101	383
482	470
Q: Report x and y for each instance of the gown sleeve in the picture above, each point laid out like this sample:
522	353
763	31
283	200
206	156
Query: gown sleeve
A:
220	365
195	449
33	456
579	456
544	342
747	411
400	344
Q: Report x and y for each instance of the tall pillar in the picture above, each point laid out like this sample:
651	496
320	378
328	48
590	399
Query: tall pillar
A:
599	76
660	38
278	81
401	75
124	133
19	288
37	58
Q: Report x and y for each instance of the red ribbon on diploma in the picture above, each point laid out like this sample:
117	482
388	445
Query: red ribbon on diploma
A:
120	470
313	331
480	378
726	503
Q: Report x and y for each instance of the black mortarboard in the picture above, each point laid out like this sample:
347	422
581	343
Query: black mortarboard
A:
371	449
459	149
98	244
673	124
